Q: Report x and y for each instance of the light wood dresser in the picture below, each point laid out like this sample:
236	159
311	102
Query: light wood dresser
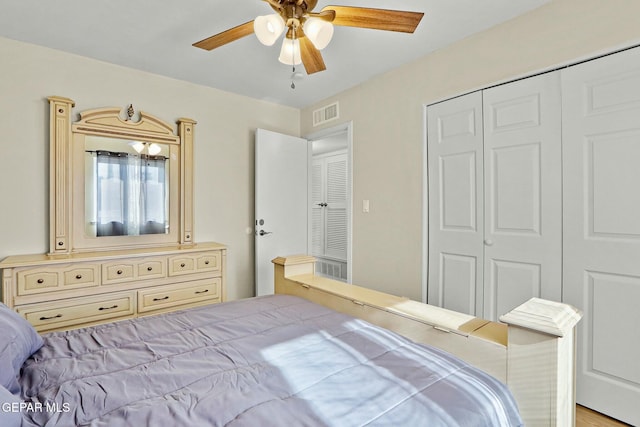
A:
58	292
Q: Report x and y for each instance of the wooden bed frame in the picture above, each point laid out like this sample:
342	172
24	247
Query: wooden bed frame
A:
532	350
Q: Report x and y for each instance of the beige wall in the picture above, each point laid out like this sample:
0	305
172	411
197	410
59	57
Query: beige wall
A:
223	145
387	115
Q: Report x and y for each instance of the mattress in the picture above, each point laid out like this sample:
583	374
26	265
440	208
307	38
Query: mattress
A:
268	361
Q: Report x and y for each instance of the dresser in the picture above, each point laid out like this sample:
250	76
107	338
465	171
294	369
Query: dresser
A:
59	292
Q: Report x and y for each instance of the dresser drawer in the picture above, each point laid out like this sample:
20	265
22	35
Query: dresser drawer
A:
175	295
152	268
129	270
117	272
195	263
78	311
57	278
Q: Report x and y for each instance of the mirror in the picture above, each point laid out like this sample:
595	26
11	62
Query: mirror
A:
118	180
126	186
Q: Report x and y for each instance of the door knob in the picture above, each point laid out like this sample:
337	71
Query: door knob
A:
488	242
262	232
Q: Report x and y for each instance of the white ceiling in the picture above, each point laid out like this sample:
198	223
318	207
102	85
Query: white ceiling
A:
156	36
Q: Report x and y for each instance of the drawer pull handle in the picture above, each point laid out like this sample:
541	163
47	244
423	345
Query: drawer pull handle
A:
119	271
78	276
304	285
149	268
40	281
161	299
356	302
202	292
108	308
182	265
52	317
206	262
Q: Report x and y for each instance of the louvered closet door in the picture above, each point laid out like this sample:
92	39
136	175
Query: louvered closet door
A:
336	208
455	172
317	206
523	196
329	206
601	152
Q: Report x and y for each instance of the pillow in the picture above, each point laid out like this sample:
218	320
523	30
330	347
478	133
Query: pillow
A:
9	409
18	341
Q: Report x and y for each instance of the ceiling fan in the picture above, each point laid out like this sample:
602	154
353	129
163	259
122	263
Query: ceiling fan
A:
309	32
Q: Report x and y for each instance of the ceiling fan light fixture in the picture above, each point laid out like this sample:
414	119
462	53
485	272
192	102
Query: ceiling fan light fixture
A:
268	28
318	31
290	52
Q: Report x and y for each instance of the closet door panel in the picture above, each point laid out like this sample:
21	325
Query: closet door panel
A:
601	157
455	171
336	209
329	206
523	196
317	211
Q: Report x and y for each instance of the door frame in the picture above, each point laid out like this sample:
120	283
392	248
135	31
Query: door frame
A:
425	206
346	128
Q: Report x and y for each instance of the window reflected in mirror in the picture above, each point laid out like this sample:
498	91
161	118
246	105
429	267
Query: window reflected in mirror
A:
126	187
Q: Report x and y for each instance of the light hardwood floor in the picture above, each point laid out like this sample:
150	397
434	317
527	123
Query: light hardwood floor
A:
585	417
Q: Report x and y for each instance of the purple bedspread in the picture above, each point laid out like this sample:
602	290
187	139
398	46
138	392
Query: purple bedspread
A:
267	361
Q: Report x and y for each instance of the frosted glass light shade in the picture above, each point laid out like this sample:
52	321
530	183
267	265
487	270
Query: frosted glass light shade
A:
268	28
138	146
319	32
290	52
154	149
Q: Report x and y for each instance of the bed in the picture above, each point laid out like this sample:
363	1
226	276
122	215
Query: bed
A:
278	360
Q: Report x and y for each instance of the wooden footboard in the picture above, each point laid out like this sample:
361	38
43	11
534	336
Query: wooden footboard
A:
532	351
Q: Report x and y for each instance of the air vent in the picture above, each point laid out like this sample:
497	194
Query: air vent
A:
325	114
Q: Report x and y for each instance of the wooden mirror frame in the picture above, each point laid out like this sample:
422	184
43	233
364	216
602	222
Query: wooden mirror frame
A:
66	176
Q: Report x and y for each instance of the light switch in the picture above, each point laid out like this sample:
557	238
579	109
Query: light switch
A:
365	206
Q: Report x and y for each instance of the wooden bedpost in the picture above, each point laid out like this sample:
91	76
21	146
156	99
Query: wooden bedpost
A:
292	266
541	361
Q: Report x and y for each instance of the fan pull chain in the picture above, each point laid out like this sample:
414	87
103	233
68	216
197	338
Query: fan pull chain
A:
293	59
293	73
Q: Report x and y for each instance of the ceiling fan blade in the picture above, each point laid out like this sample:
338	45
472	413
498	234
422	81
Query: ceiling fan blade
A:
326	15
311	57
225	37
377	19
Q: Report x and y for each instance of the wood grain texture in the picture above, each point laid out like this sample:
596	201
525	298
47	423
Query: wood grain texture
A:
585	417
377	19
225	37
311	57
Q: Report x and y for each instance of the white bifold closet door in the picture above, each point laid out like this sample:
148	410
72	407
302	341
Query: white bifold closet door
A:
456	204
495	215
601	151
523	193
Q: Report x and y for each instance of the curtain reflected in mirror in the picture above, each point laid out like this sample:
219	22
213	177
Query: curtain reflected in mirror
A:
126	188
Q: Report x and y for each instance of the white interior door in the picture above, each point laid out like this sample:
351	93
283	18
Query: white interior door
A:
456	224
523	193
281	164
601	158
